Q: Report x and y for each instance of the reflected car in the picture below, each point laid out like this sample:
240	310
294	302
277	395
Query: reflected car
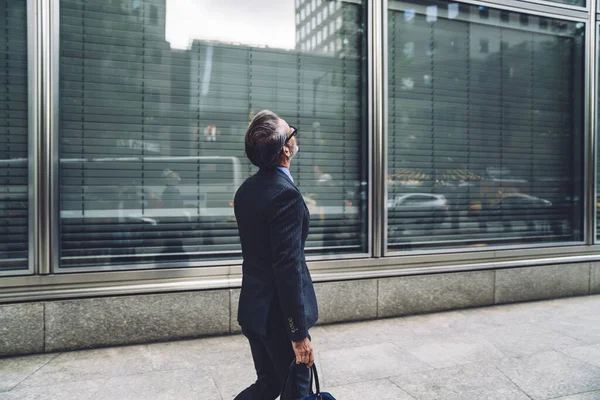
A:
416	208
521	207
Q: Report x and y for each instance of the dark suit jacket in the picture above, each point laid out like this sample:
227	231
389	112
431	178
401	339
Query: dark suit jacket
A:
273	223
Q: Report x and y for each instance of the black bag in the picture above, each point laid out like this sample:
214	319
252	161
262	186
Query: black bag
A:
314	376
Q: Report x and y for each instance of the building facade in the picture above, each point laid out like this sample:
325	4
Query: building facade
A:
447	156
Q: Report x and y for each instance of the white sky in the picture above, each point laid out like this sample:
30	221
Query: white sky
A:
252	22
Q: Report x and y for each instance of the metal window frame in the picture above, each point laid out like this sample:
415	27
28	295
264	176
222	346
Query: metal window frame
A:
33	130
372	228
587	7
379	187
36	287
591	115
34	70
538	9
592	150
535	8
47	199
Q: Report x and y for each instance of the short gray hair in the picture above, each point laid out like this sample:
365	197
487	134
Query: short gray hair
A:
264	141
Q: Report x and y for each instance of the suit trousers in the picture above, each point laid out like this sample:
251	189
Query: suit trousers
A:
273	354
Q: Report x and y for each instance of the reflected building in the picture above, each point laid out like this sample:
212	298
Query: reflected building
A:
329	26
142	77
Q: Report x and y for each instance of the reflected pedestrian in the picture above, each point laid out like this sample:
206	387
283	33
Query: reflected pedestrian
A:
172	203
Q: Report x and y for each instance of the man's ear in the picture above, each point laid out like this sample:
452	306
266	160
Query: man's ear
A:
287	151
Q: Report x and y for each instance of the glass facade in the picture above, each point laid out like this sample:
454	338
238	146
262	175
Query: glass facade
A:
13	136
486	123
464	128
153	113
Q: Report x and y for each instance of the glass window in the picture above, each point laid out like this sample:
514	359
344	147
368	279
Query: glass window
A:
319	16
325	13
297	18
332	27
485	127
153	117
13	136
331	7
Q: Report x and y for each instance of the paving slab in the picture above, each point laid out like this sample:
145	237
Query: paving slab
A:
163	385
465	382
442	351
84	390
356	364
382	389
84	365
13	371
583	396
589	354
551	374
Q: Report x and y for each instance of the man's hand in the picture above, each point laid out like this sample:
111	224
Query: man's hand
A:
304	352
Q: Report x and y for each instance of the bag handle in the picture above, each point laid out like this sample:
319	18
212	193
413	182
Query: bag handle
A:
314	376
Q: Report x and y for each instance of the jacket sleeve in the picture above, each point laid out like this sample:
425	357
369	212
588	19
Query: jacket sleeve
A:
285	234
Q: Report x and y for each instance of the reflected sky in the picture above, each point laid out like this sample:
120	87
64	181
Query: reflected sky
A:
258	22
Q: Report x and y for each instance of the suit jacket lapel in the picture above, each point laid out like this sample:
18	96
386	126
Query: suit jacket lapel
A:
281	173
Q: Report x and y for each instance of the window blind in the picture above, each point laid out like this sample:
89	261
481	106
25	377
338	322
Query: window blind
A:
13	135
152	136
485	126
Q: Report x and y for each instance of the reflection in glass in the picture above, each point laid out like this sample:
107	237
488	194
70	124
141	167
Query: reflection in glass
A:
155	99
485	127
13	136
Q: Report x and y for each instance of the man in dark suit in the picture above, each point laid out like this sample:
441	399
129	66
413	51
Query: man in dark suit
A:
277	302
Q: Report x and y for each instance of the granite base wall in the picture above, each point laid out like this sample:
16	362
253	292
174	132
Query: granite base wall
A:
59	325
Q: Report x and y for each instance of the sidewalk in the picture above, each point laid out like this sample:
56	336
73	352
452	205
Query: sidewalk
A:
542	350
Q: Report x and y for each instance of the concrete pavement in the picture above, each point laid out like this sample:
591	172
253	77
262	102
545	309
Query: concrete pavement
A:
542	350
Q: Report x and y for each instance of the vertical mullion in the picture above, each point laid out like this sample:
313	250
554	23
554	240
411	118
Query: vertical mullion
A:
590	213
47	145
379	189
42	171
34	71
53	132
